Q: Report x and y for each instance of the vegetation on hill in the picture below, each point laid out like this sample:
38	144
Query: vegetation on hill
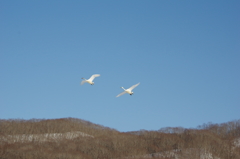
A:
94	141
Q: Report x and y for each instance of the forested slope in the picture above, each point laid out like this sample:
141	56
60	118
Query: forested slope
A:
71	138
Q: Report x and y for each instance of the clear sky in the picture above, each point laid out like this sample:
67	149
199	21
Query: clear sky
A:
185	54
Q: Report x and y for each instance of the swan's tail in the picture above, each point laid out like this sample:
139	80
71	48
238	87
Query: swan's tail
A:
123	88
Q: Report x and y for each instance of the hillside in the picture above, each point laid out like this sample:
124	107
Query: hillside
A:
71	138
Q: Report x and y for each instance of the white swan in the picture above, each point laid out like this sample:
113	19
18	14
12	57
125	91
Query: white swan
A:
90	80
129	90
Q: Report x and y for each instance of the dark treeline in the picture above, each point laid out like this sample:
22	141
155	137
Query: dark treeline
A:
40	126
220	140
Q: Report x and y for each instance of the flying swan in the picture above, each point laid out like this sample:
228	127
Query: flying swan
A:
129	90
90	80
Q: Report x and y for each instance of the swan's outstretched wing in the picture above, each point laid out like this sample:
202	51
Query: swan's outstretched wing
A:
131	88
83	81
93	76
121	94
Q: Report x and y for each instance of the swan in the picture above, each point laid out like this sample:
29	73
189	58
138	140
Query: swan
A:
90	80
129	90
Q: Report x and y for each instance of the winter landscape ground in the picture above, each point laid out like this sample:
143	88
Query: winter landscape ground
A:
71	138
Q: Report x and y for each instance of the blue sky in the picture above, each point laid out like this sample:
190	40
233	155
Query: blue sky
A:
185	54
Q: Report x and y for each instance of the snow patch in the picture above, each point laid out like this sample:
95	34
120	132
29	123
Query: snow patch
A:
44	137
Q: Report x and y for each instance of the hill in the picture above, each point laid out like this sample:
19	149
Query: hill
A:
71	138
